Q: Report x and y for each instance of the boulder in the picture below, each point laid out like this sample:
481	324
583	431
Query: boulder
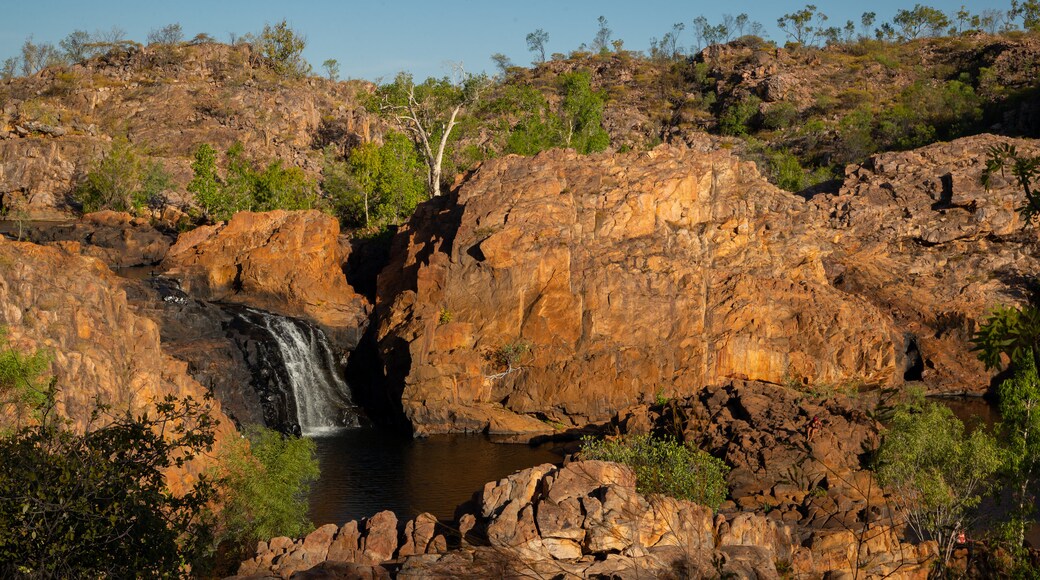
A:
284	262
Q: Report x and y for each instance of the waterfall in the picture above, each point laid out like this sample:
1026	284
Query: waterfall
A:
309	373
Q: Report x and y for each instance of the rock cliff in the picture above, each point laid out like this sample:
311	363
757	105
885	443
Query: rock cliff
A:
290	263
915	234
567	287
75	309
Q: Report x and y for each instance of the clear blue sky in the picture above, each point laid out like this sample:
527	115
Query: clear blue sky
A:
377	38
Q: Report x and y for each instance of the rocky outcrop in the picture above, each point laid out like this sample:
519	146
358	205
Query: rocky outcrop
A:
584	520
37	174
74	309
917	235
117	239
567	287
166	100
219	357
811	480
290	263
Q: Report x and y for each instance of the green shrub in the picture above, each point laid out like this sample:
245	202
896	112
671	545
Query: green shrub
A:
664	466
246	188
377	184
96	505
785	171
264	485
122	181
780	116
23	389
737	119
581	113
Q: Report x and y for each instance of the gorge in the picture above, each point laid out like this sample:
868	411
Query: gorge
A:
446	359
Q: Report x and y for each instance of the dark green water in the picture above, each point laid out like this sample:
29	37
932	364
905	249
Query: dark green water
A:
364	471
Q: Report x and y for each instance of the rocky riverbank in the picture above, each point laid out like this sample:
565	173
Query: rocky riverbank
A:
582	520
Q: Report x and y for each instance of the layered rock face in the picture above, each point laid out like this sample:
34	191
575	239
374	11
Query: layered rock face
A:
571	286
567	287
117	239
583	520
284	262
917	235
74	308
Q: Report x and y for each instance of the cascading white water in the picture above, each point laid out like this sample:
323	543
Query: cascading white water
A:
323	402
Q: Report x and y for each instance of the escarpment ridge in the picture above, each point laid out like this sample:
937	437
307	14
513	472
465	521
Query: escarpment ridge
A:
566	287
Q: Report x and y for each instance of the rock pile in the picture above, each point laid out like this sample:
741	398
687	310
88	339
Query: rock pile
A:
585	519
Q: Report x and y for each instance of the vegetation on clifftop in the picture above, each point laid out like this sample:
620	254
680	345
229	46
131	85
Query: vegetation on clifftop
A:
832	95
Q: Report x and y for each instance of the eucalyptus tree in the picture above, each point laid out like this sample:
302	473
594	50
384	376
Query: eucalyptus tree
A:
429	111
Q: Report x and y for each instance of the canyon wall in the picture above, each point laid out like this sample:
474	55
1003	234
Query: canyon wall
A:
565	287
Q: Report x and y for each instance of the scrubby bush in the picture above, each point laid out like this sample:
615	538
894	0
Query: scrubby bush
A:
23	388
785	171
264	480
123	181
737	119
664	466
780	116
168	35
95	504
536	128
377	184
247	188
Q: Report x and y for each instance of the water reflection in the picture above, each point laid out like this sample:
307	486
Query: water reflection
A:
364	471
973	411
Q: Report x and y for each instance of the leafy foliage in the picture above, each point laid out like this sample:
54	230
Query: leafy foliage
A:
1019	398
581	113
122	181
282	48
1025	170
1013	332
247	188
664	466
937	473
737	119
536	127
264	480
96	504
377	183
23	388
530	125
